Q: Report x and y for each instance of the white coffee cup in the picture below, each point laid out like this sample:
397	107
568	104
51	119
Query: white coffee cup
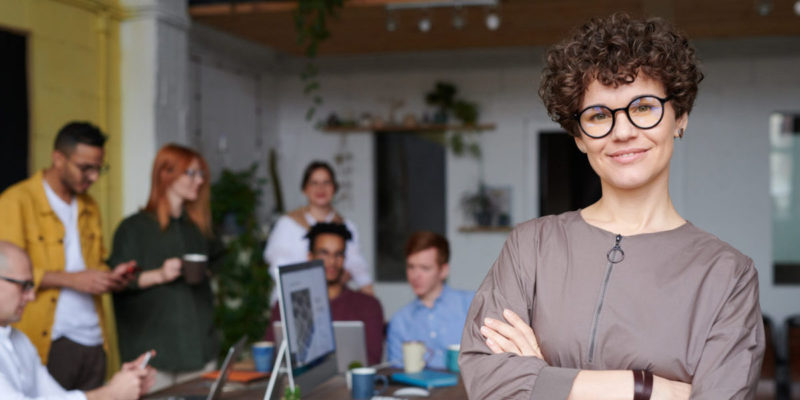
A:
413	356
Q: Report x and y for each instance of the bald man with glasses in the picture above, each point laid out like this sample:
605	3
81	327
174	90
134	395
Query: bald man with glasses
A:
22	375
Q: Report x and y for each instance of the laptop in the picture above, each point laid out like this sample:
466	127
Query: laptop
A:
351	344
215	393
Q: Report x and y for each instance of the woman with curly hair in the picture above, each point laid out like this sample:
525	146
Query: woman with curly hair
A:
624	299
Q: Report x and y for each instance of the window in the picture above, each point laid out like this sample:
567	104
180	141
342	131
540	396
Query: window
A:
410	195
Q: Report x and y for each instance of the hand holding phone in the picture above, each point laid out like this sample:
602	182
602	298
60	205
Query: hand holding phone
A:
146	360
132	269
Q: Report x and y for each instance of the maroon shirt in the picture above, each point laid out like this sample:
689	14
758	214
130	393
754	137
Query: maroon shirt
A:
351	306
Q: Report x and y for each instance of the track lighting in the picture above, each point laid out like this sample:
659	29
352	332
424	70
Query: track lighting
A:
391	24
458	18
424	24
763	7
492	20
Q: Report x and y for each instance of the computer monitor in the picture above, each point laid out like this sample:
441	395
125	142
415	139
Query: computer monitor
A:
351	343
308	326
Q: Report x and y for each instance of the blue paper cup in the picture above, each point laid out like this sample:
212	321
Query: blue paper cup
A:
263	353
452	357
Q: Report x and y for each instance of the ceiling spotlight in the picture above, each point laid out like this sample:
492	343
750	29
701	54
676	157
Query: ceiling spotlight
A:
458	18
797	7
424	24
492	20
391	24
764	7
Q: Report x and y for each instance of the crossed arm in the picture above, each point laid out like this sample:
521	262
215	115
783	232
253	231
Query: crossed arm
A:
517	337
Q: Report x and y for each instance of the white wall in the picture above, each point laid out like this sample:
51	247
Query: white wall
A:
720	171
353	85
233	118
727	161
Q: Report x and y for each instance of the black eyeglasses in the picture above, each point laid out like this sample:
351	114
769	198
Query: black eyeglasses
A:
87	169
26	285
644	112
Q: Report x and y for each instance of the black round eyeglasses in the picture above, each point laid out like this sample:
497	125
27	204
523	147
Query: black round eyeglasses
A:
644	112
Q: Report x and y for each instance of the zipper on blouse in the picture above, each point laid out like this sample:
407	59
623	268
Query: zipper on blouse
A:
614	256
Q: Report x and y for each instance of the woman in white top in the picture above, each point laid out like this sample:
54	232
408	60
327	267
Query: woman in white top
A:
287	243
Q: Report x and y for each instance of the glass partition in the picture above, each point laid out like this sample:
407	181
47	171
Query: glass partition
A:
784	136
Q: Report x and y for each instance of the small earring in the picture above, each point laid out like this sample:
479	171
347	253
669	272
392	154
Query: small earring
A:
680	133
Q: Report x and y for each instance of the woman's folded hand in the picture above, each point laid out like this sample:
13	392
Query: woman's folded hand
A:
512	336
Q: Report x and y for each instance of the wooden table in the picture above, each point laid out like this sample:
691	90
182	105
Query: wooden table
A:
336	389
333	389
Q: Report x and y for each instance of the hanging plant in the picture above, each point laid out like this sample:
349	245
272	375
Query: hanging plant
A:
310	22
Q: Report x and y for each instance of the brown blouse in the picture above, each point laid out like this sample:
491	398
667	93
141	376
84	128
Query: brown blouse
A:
680	303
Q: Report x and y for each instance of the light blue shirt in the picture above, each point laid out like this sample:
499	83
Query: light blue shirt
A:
437	327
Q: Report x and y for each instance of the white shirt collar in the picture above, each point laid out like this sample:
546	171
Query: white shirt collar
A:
5	332
328	218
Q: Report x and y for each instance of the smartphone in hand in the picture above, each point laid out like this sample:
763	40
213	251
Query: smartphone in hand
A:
146	360
132	269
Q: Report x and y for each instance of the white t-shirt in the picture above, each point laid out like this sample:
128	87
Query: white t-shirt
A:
22	375
76	316
287	245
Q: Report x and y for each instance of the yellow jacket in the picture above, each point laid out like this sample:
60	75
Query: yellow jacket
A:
27	220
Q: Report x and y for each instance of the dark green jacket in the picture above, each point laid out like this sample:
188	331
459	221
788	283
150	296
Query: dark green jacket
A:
175	319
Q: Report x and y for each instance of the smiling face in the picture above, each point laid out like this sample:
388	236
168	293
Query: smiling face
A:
631	157
187	186
319	188
330	248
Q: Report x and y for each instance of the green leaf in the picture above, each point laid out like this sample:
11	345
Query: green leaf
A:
312	86
475	150
457	144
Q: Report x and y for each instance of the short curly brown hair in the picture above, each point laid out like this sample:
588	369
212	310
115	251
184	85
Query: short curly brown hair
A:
613	50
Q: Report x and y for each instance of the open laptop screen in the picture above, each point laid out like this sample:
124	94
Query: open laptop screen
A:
307	314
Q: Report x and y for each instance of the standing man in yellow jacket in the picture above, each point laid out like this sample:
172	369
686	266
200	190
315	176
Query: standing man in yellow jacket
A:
57	223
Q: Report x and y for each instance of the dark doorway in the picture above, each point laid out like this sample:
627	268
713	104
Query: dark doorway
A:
13	109
410	195
566	180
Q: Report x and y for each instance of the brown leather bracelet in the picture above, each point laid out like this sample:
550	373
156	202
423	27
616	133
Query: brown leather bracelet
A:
638	384
648	385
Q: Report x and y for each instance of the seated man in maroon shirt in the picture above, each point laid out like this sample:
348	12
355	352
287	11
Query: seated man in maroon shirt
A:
326	242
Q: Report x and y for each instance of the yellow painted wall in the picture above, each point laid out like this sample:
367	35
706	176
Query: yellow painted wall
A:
73	74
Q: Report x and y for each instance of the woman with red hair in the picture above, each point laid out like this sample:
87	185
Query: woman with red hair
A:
160	310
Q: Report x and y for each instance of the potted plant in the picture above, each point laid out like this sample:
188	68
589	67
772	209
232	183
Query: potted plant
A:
243	283
442	96
478	206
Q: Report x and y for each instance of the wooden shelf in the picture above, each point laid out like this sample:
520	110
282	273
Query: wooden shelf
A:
409	129
475	229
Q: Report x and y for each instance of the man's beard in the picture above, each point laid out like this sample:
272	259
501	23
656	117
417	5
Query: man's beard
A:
337	280
73	189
